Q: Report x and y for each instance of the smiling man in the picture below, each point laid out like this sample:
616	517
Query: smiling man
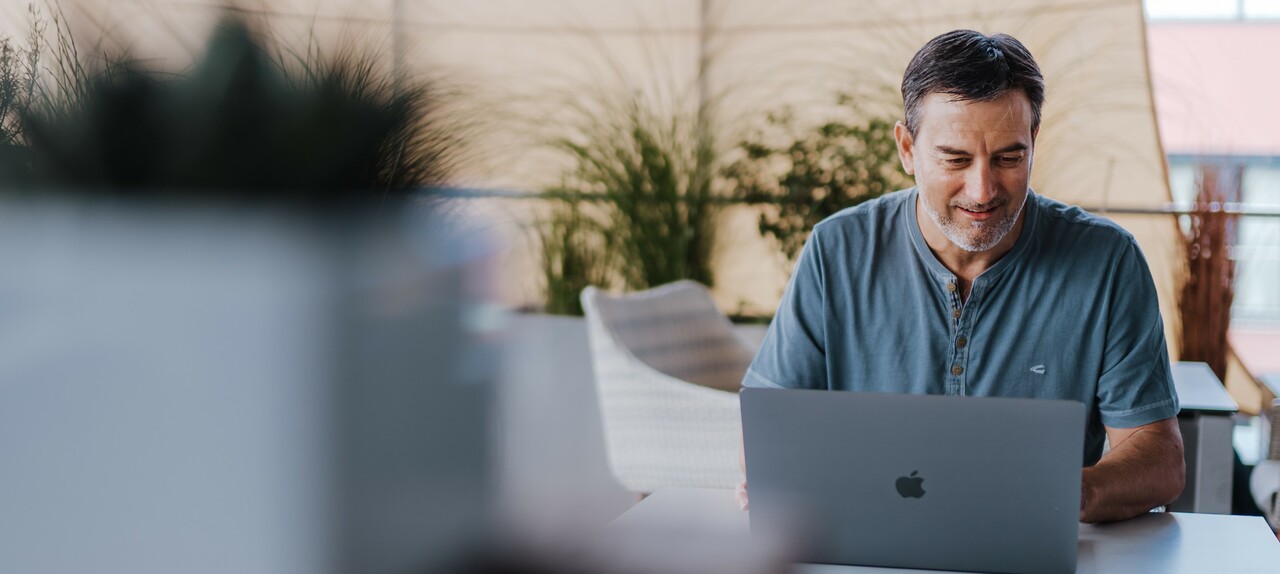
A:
972	284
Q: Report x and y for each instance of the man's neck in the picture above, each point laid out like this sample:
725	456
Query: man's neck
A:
967	265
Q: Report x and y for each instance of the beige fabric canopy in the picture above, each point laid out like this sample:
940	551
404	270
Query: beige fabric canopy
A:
1098	145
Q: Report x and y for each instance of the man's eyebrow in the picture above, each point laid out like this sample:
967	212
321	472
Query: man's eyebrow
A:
1006	149
950	150
1011	147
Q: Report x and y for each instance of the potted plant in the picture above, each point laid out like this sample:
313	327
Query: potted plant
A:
244	344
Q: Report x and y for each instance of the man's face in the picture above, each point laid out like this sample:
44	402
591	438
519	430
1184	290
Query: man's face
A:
972	164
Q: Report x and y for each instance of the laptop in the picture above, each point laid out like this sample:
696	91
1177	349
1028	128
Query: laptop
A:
912	481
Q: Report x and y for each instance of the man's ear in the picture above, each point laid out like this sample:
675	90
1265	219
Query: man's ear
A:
906	147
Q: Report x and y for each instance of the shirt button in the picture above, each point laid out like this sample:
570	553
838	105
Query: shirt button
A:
951	286
956	313
957	370
961	342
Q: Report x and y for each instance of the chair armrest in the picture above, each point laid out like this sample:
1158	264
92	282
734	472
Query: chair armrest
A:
1264	484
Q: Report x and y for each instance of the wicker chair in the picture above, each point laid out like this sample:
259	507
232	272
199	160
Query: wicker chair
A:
668	368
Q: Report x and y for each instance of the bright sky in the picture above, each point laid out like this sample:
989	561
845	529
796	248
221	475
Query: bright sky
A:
1212	8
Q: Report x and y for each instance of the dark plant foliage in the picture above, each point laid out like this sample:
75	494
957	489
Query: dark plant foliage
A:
1205	298
246	122
812	174
19	70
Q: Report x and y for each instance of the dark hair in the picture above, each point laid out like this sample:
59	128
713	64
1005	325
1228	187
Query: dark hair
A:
973	67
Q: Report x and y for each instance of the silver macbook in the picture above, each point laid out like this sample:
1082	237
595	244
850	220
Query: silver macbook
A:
910	481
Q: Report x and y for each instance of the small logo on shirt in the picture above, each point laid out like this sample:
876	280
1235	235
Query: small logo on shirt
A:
1038	369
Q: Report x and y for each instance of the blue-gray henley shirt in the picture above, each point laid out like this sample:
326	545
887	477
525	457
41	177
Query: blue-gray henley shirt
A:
1069	313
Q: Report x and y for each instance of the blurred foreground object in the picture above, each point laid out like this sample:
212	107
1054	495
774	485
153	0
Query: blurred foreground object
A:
194	390
668	368
708	535
232	346
253	120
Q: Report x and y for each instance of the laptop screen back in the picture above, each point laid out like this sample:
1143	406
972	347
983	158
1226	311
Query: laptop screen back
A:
941	482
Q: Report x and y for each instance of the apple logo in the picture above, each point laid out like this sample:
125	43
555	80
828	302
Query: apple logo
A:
910	486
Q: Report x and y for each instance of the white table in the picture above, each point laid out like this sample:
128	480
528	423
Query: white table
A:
1167	543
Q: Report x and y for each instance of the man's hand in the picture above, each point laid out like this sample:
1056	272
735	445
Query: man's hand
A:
1144	469
741	491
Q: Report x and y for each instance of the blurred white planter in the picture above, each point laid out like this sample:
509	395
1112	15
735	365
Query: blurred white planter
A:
219	390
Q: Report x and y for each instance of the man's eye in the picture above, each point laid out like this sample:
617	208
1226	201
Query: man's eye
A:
1009	160
957	161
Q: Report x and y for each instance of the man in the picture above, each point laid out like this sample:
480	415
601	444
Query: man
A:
972	284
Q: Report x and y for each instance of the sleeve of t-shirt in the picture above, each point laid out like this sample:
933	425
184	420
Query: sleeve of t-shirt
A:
793	354
1136	386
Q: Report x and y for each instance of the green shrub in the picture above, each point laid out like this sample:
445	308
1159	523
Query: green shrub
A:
573	257
810	174
647	182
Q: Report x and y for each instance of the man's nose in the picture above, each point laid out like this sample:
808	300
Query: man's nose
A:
980	187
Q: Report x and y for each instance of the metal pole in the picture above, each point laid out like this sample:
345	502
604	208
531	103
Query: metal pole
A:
398	70
1190	209
704	63
704	39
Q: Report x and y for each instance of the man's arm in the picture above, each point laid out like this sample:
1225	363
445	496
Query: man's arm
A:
1144	469
793	353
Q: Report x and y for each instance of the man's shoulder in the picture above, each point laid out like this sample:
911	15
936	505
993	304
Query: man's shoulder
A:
1071	227
869	217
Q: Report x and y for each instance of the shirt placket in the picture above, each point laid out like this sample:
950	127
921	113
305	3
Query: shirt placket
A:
958	368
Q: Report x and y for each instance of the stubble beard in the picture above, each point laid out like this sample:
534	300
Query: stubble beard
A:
978	236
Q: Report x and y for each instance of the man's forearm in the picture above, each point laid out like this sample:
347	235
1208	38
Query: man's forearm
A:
1145	471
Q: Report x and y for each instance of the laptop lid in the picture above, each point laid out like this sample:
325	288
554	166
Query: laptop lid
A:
911	481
